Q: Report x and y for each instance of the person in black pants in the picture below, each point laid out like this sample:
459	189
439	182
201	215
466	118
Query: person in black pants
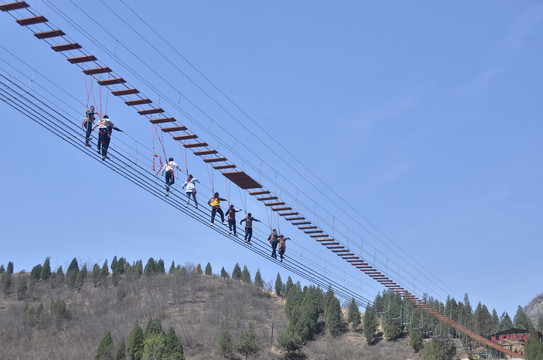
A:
282	246
168	169
87	124
105	127
215	204
274	240
231	214
248	226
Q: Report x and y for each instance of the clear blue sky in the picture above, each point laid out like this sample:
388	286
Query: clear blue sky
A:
424	116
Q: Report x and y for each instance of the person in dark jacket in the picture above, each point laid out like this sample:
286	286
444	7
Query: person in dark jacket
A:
274	240
282	246
87	124
105	128
215	204
248	226
231	216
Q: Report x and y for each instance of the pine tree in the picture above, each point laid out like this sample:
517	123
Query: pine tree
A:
415	340
135	343
6	284
370	324
139	268
505	322
95	275
245	275
71	273
208	269
81	276
105	348
521	320
2	269
278	285
114	269
198	270
9	270
247	344
173	269
289	342
120	351
46	269
104	272
173	348
160	269
225	343
353	315
154	347
495	321
258	279
122	265
35	274
224	274
333	316
154	327
439	349
533	347
236	273
288	286
150	267
183	271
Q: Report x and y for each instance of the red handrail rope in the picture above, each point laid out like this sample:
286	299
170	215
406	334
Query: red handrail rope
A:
243	202
211	179
184	158
100	97
227	191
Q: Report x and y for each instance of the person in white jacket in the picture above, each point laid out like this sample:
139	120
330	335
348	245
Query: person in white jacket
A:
105	127
168	169
191	190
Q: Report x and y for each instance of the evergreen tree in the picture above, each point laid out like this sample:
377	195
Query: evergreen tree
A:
154	327
135	343
236	273
9	270
173	348
533	348
224	274
415	340
353	315
208	269
333	316
439	349
104	272
95	275
122	265
370	324
21	289
81	276
289	342
247	344
378	305
106	349
278	285
139	268
505	322
245	275
160	269
150	267
521	320
2	269
114	269
173	269
258	279
198	270
288	286
154	347
327	300
71	273
6	284
482	320
225	343
183	271
120	351
495	321
46	269
35	274
539	326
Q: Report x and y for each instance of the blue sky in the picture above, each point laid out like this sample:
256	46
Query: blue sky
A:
423	116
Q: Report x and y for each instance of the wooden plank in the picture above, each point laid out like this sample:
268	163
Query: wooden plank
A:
288	213
336	247
94	71
282	209
295	218
66	47
204	152
313	231
242	180
114	81
81	59
307	227
275	203
186	137
193	145
49	34
221	167
217	159
301	223
266	198
31	20
124	92
14	6
164	120
138	102
261	192
174	128
319	235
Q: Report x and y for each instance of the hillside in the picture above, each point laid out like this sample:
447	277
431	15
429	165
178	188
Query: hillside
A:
535	309
197	306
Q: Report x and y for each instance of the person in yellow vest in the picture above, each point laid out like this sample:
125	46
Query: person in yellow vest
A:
215	204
